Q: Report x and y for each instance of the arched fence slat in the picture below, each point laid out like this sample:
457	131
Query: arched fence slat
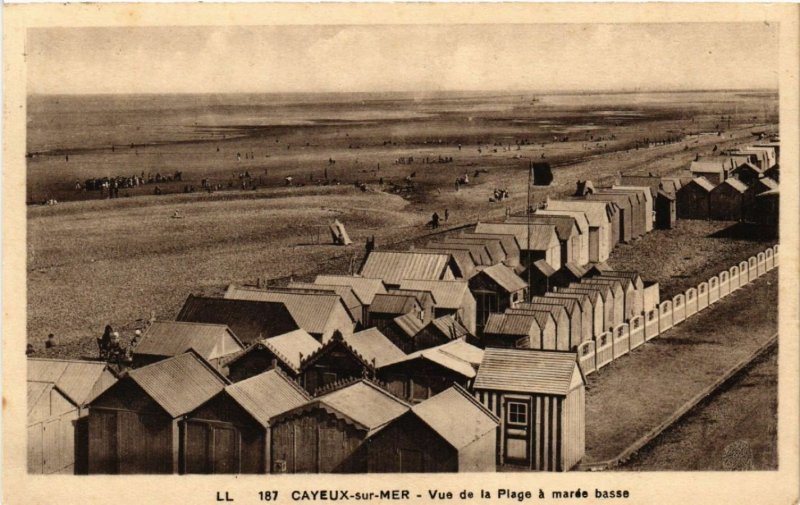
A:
622	343
651	325
724	283
665	316
636	329
713	289
702	296
604	350
586	357
678	309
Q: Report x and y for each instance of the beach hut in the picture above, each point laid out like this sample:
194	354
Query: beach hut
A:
324	434
425	298
727	202
287	351
230	433
583	304
539	276
165	339
134	426
569	273
425	373
574	313
692	200
635	290
603	224
449	432
495	289
580	242
714	170
596	301
747	173
319	313
522	330
511	247
477	252
618	293
388	306
354	306
559	315
439	331
649	208
537	241
625	203
493	246
569	237
452	298
365	288
539	398
666	210
250	321
394	266
58	394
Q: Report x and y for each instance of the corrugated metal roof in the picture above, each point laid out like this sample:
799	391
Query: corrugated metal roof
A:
543	268
410	324
623	200
505	278
544	315
581	220
311	311
170	338
249	320
493	248
516	325
346	293
392	266
456	416
365	403
566	227
374	346
179	384
448	360
526	371
267	395
508	240
449	327
80	381
365	288
464	351
542	236
477	254
389	303
423	296
570	304
581	298
584	290
735	184
448	294
463	259
598	214
292	347
575	269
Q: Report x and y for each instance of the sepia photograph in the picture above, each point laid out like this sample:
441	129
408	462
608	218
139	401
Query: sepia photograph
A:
403	248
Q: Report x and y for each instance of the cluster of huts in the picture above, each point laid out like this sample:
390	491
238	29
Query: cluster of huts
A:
459	355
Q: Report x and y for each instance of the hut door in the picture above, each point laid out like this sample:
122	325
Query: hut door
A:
517	431
411	461
226	450
51	447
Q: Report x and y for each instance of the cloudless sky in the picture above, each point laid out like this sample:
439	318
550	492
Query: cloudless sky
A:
527	57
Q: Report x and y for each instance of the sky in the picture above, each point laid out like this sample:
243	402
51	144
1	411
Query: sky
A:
381	58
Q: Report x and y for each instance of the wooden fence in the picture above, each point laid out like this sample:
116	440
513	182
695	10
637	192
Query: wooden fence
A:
602	349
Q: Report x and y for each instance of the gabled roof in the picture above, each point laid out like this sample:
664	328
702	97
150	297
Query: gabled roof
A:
464	351
456	416
423	296
543	268
749	166
516	325
391	303
410	324
346	293
462	258
312	311
449	327
664	194
336	341
374	346
581	298
566	227
766	183
701	182
361	403
365	288
652	182
505	278
598	213
477	253
268	394
626	274
570	304
736	184
292	347
79	381
577	216
542	236
706	166
493	246
575	269
179	384
526	371
394	266
170	338
251	321
508	240
442	356
543	315
448	294
583	289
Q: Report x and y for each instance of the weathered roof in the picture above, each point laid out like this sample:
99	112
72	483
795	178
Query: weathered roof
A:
526	371
365	288
346	293
543	268
581	298
423	296
736	184
393	303
462	259
448	326
393	266
702	182
493	247
505	278
456	416
542	236
410	324
652	182
570	304
443	358
268	394
584	290
179	384
312	311
80	381
566	227
575	269
249	320
597	213
544	315
374	346
577	216
477	253
508	240
170	338
672	184
518	325
627	274
365	403
621	199
706	166
291	347
669	195
448	294
464	351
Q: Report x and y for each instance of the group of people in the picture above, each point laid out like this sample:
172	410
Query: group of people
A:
499	195
113	350
435	219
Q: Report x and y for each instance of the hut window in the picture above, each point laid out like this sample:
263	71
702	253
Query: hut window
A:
328	378
518	413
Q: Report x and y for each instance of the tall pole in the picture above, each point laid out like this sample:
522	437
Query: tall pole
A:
528	213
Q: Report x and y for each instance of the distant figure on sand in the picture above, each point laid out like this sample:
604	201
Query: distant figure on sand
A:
435	220
446	215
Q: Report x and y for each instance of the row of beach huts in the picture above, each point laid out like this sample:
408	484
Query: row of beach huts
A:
459	355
